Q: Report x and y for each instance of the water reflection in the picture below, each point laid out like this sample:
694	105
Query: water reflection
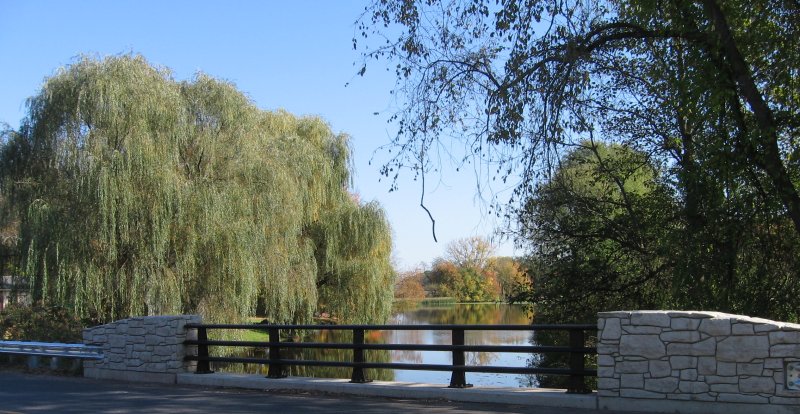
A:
454	314
470	314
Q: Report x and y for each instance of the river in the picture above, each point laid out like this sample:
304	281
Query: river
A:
494	314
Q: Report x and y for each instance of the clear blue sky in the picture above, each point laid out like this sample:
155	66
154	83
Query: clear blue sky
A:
295	55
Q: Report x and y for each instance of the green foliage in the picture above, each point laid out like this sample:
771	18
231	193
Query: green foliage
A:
438	302
654	144
472	286
140	195
356	277
309	354
630	246
597	226
39	323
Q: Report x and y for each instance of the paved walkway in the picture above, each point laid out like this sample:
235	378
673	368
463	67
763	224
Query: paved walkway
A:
26	393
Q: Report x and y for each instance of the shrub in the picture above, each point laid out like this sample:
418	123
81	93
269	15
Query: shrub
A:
39	323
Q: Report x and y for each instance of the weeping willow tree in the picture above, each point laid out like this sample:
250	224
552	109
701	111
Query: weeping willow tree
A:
138	194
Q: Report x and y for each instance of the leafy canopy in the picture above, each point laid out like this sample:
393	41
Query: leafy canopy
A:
517	82
138	194
704	94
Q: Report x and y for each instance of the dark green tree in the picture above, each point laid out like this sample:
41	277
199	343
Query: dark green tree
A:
599	227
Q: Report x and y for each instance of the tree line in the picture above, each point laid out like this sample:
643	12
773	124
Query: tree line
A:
469	272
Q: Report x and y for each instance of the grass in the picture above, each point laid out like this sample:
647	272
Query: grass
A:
442	301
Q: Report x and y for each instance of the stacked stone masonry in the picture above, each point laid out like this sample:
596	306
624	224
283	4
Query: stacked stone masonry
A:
696	356
141	349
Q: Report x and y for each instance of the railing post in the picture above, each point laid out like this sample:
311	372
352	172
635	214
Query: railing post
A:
459	378
33	361
358	357
577	384
203	366
275	368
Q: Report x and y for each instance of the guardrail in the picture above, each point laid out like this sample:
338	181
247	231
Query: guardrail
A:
576	348
50	349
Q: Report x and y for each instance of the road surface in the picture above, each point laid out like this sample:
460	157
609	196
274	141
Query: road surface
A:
29	393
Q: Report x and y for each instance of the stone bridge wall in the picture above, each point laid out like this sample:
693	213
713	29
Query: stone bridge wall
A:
704	362
144	349
656	361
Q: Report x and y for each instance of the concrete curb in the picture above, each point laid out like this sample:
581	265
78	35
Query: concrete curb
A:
514	396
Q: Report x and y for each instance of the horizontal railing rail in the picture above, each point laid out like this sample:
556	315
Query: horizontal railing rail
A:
55	351
407	327
51	349
576	349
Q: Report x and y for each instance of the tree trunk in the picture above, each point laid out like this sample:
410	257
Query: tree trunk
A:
768	151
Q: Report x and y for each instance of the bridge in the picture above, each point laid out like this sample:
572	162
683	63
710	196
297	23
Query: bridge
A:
653	361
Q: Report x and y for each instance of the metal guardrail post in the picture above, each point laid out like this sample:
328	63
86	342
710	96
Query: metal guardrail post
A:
275	368
576	383
33	361
203	366
459	378
358	357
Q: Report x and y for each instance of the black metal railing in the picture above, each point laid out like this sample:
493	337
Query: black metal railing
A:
576	348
